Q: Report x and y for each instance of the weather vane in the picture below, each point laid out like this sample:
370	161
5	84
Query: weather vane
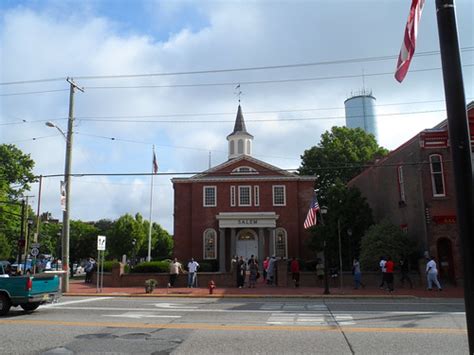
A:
238	92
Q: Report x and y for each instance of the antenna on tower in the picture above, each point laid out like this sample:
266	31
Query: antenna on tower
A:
238	92
363	80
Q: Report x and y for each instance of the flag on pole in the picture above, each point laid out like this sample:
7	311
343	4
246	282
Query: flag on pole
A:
155	163
311	219
409	40
63	195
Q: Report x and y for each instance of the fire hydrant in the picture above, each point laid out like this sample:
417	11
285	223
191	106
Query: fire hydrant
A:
211	285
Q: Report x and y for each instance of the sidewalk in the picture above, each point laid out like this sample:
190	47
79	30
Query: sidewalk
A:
79	288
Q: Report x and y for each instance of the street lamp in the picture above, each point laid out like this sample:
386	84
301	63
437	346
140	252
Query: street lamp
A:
323	211
67	181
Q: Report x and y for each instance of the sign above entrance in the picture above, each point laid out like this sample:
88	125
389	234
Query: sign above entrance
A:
248	219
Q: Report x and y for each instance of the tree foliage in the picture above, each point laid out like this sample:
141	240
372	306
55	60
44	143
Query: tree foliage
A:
16	170
349	214
340	156
385	239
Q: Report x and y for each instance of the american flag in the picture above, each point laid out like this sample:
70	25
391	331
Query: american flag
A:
311	219
409	40
155	163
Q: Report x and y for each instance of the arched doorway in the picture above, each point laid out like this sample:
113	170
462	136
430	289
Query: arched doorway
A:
445	259
247	243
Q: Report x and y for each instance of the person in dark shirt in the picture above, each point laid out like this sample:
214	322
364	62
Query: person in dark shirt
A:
404	270
295	271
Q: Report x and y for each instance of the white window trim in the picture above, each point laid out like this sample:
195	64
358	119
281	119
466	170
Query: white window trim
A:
284	195
401	183
204	196
256	195
204	244
250	196
275	242
232	196
433	185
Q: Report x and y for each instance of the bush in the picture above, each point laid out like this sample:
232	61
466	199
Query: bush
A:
208	266
384	239
150	285
308	265
151	267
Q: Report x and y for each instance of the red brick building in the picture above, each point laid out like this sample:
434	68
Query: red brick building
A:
414	188
241	207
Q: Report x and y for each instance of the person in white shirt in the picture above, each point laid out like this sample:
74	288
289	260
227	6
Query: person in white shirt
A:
383	269
432	274
192	269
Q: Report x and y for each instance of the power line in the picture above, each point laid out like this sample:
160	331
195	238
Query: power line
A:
255	120
32	139
220	172
254	82
214	71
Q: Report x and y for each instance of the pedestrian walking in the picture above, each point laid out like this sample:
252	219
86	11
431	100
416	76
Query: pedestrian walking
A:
253	273
89	269
241	271
175	269
265	268
295	271
357	274
389	266
271	272
432	274
404	272
383	270
192	273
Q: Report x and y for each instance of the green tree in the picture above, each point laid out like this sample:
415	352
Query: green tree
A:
50	239
16	170
15	176
340	155
127	236
5	248
385	239
83	241
349	214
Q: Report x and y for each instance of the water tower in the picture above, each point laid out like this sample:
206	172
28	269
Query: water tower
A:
360	112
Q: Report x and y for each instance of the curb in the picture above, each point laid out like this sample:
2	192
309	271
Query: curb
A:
177	295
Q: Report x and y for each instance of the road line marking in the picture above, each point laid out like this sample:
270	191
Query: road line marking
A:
77	301
202	326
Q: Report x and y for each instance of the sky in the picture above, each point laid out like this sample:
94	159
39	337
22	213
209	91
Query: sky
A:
349	46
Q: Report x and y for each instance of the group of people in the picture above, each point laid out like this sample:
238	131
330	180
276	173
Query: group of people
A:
176	268
387	267
241	267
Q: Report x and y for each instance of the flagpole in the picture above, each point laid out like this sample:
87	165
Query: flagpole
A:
151	205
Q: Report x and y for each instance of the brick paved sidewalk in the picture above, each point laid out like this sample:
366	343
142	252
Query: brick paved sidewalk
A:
82	289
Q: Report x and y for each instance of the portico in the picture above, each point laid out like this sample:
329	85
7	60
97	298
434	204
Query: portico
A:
249	233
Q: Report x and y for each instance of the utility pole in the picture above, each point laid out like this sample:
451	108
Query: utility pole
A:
67	180
38	219
460	145
22	232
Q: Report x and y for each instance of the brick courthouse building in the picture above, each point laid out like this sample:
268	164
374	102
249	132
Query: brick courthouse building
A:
242	207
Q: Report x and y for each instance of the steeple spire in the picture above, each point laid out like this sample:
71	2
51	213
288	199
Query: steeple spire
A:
240	141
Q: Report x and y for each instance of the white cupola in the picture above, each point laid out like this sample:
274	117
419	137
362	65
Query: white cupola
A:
240	141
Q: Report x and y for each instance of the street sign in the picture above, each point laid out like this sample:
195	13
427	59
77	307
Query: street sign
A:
34	251
35	245
101	242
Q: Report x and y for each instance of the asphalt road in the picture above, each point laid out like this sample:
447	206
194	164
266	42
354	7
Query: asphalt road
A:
114	325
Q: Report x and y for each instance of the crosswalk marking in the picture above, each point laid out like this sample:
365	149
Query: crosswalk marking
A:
310	319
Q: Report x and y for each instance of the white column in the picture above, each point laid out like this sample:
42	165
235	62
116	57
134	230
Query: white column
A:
221	250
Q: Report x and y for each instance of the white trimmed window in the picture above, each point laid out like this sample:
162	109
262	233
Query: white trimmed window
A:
209	244
245	196
279	195
437	175
401	184
232	196
209	196
281	249
256	196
